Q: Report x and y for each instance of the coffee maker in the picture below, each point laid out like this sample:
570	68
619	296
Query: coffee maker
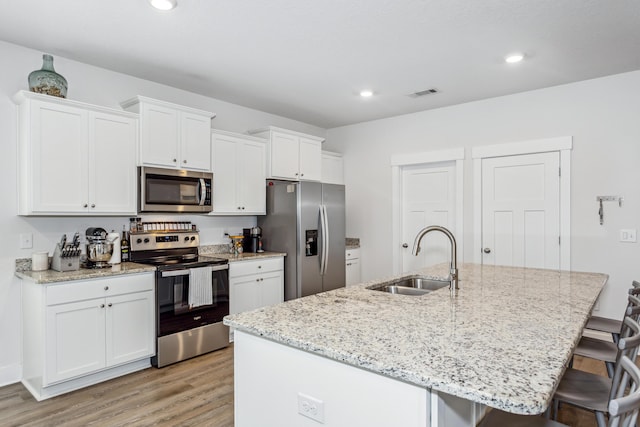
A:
252	241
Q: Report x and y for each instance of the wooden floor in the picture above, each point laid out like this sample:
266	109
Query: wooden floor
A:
196	392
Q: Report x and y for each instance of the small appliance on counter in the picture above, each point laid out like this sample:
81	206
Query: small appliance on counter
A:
252	239
66	256
99	248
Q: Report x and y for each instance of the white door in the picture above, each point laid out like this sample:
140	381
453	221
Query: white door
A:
159	136
310	159
251	187
428	198
284	156
520	210
225	173
195	147
272	288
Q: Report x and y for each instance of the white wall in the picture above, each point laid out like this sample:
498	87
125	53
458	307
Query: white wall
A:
101	87
602	115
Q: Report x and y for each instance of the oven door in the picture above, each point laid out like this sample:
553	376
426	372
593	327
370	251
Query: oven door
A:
172	298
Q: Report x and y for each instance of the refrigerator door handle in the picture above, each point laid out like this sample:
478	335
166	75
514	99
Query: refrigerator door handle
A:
325	239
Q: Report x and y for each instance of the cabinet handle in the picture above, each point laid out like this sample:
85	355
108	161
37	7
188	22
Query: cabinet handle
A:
243	208
259	266
184	161
301	174
85	205
93	205
348	264
110	304
296	174
258	279
101	305
106	288
239	207
174	160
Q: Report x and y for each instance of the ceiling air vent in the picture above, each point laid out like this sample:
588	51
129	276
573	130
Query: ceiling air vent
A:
424	92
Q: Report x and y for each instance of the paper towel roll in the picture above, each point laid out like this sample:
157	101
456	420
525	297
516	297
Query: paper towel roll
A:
115	238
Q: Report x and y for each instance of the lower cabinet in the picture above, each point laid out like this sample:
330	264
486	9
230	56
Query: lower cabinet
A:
352	266
83	332
254	284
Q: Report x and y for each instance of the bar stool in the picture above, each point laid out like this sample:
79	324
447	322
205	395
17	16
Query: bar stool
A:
594	392
606	351
611	326
622	402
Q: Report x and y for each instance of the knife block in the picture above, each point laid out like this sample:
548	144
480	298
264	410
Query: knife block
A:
66	263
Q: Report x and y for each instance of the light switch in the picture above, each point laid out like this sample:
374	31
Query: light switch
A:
628	235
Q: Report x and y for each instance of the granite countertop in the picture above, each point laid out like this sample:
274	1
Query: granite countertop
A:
502	341
52	276
247	256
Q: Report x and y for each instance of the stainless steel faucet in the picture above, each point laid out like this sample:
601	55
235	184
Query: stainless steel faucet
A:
453	267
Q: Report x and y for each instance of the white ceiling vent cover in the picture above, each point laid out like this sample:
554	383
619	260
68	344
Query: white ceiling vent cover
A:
424	92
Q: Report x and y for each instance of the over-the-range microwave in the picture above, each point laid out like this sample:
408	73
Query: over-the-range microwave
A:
173	190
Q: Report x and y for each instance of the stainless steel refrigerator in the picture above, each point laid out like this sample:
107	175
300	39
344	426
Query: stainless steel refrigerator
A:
307	221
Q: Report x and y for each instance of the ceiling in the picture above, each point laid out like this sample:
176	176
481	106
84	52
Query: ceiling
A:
309	59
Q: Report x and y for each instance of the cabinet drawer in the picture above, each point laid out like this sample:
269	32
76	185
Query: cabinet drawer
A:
353	253
244	268
98	288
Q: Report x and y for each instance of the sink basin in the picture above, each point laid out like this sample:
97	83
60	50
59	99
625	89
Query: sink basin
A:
412	285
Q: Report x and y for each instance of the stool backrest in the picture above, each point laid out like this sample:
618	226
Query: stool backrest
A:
625	404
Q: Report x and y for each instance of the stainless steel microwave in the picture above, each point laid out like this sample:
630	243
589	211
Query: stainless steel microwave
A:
173	190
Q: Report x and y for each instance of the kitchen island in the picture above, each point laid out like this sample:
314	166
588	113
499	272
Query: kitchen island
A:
356	356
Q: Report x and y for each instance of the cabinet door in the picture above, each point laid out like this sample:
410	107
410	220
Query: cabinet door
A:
226	169
59	153
75	340
272	289
195	141
284	156
130	327
112	164
159	136
310	159
252	186
244	294
352	271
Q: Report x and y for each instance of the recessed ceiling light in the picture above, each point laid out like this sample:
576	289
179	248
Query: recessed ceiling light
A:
366	93
164	4
514	57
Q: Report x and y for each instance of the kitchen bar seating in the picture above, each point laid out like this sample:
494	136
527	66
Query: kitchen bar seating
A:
606	351
622	409
594	392
611	326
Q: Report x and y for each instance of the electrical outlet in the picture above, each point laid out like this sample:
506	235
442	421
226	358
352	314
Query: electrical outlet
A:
26	241
311	407
628	235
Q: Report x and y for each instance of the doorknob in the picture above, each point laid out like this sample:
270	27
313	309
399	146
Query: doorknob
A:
487	250
404	245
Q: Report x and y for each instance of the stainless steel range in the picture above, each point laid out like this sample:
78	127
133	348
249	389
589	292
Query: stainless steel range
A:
192	294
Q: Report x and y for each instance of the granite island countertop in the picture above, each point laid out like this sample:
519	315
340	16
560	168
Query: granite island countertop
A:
502	341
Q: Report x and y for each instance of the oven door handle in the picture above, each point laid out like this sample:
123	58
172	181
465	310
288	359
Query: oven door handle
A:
172	273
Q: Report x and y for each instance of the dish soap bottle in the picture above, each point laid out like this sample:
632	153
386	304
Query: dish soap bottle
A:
124	245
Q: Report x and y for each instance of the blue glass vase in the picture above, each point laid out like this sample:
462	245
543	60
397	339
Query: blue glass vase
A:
46	80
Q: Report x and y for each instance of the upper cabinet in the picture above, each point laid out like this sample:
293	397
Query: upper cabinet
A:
332	168
74	158
172	136
238	174
292	155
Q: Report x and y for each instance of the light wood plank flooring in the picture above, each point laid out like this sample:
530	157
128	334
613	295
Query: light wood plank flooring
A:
196	392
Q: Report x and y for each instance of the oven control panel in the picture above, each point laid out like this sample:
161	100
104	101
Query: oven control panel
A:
153	241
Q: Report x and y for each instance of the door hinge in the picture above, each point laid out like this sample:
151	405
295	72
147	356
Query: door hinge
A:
559	171
558	239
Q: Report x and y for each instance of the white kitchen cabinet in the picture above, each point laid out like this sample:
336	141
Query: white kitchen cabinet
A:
332	168
254	284
292	155
171	135
352	266
239	174
75	158
83	332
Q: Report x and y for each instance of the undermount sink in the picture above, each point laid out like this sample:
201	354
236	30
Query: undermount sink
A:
412	285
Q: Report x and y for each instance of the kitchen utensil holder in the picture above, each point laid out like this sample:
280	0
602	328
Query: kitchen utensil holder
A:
65	259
